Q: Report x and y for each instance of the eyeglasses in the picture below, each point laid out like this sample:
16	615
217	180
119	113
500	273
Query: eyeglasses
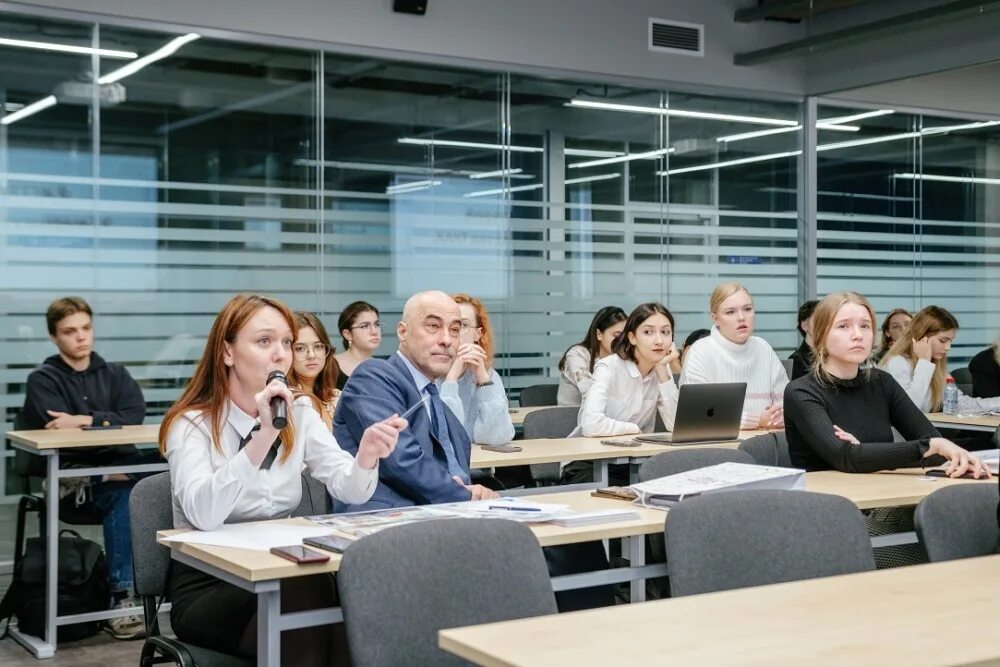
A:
367	326
319	350
467	325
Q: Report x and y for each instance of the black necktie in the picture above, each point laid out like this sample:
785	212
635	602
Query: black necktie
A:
271	453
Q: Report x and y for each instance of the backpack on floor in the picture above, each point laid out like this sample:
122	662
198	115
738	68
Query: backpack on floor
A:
83	587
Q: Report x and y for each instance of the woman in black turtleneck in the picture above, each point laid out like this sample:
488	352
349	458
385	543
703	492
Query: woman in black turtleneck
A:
841	416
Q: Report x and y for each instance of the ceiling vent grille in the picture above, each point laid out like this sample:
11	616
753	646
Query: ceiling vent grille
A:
677	37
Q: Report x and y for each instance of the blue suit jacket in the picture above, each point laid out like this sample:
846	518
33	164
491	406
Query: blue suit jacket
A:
416	473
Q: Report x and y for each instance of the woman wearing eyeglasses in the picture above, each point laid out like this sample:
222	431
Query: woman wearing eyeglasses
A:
472	388
314	368
361	331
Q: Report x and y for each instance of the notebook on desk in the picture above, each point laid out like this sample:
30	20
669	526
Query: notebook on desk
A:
706	413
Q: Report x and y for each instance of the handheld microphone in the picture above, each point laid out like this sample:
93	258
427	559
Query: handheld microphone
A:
279	407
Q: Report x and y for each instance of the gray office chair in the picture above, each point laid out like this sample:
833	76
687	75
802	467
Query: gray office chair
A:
788	364
538	395
768	449
963	379
453	572
150	510
736	539
958	522
682	460
554	422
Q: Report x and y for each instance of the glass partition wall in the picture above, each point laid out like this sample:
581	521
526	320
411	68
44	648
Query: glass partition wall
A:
157	173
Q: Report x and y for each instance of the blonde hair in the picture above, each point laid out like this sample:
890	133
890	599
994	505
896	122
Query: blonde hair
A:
722	292
823	318
928	322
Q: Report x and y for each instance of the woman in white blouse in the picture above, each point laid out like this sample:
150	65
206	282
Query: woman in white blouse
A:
576	368
228	463
630	385
919	362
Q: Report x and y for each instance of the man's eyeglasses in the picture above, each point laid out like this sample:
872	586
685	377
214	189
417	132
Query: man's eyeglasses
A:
319	350
368	326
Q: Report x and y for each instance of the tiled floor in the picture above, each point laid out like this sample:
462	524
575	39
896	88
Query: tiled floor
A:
97	651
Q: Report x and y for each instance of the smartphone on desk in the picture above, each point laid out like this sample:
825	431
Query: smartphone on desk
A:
503	449
938	472
299	554
98	427
334	543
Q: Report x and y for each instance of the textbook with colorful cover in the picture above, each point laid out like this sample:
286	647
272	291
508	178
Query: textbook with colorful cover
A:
668	491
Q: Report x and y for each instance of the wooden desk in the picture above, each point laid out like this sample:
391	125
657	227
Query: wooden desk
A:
261	572
48	444
517	414
988	423
901	616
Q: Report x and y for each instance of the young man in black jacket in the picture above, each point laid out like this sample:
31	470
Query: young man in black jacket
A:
75	388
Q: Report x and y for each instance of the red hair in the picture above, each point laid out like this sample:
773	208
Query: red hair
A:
208	389
486	340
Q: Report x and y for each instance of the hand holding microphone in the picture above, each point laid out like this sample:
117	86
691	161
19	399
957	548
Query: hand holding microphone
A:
273	401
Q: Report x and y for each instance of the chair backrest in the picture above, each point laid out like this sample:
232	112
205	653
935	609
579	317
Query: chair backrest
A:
150	509
788	364
736	539
963	379
538	395
25	464
315	499
682	460
455	572
768	449
554	422
959	522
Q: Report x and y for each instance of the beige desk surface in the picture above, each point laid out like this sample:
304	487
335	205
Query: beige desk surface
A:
866	491
937	614
517	414
990	421
67	438
544	450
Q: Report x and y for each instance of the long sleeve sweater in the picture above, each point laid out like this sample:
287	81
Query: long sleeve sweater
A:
868	407
717	359
916	382
575	378
483	411
985	374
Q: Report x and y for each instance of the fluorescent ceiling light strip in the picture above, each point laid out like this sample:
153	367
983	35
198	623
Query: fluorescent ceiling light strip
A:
500	191
648	155
683	113
164	51
67	48
498	172
410	187
865	142
589	152
467	144
591	179
728	163
949	179
780	130
32	108
857	116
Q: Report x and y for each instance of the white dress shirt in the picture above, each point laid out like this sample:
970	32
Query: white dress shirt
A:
621	401
213	487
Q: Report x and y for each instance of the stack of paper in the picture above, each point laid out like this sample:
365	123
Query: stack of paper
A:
513	509
667	491
259	536
588	518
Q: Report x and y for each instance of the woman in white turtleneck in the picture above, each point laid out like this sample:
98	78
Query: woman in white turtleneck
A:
731	353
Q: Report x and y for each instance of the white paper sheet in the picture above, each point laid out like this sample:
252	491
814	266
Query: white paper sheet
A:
259	537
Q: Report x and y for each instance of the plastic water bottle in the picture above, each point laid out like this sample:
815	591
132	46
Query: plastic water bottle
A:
950	400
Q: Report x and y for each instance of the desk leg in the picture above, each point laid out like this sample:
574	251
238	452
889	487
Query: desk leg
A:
51	548
637	558
268	632
601	473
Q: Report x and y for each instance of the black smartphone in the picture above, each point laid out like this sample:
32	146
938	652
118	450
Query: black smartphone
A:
937	472
299	554
621	443
503	449
96	427
334	543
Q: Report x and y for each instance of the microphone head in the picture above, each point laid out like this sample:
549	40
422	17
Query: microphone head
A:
276	375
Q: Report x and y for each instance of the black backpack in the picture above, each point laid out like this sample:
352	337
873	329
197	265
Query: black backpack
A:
83	587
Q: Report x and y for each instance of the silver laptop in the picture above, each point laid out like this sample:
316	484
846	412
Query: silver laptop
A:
706	413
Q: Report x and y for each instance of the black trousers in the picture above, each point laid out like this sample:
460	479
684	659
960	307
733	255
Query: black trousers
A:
213	614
